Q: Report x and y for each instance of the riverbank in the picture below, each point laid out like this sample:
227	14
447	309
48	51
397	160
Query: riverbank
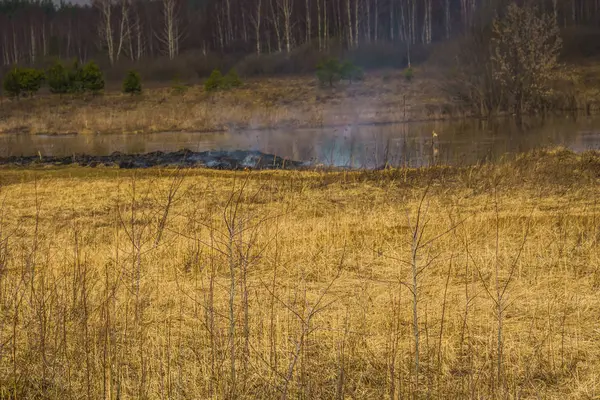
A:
285	102
139	283
229	160
383	97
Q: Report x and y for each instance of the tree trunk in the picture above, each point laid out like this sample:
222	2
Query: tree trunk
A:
229	24
447	20
256	22
138	34
275	22
426	37
170	35
339	20
325	26
319	31
376	30
44	41
32	52
308	22
286	10
368	27
392	20
106	33
413	13
355	23
122	28
349	27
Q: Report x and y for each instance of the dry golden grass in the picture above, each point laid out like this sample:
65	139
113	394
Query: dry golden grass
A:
118	284
261	103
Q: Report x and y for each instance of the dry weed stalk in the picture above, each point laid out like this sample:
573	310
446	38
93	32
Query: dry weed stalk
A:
334	288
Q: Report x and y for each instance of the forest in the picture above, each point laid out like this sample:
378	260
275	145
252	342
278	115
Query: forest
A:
127	31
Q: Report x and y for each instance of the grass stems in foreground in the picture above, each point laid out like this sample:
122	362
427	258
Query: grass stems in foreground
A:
433	283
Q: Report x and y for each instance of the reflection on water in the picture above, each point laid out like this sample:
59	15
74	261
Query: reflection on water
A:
457	142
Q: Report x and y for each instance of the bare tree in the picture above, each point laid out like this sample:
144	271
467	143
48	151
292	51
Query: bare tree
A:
308	21
525	53
427	23
171	32
275	22
286	7
447	20
105	29
319	30
355	23
133	28
124	28
256	22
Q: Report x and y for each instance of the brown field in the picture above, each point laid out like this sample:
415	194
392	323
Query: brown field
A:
277	102
384	96
166	284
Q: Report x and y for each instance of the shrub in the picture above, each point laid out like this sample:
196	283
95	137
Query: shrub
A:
178	88
75	78
214	81
231	80
11	83
329	72
23	81
31	80
332	71
351	72
525	49
58	80
301	60
92	79
409	74
132	83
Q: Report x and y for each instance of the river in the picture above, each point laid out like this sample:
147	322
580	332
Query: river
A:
461	142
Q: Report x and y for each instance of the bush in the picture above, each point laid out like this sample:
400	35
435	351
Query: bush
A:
301	60
329	72
409	74
351	72
525	49
92	79
31	80
332	71
231	80
75	78
178	88
132	83
214	81
11	83
20	81
58	80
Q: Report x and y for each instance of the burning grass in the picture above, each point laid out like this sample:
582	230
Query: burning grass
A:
208	284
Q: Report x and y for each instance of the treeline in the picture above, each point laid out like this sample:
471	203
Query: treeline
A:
113	31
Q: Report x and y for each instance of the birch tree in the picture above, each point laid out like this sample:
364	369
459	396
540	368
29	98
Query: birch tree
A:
275	23
171	31
256	22
286	7
105	27
308	21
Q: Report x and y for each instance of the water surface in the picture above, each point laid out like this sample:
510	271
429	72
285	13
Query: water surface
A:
461	142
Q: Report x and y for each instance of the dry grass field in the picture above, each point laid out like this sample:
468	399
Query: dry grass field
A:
261	103
269	102
479	282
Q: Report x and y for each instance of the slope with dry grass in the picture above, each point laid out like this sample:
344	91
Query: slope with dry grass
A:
202	284
260	103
